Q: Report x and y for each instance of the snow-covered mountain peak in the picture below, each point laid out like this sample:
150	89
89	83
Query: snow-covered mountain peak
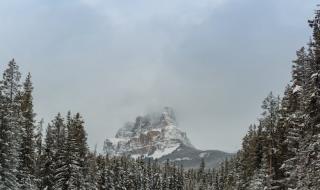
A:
153	135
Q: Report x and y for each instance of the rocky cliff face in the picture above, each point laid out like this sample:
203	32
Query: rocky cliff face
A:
157	136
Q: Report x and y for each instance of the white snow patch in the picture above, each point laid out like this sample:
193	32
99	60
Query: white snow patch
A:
314	75
173	132
180	159
135	156
156	129
297	88
203	154
160	153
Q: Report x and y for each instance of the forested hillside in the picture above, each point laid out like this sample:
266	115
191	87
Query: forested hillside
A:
280	151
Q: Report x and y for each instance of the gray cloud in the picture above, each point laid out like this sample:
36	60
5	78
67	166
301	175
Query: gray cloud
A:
213	61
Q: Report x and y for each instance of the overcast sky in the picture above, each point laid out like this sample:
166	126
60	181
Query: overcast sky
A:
213	61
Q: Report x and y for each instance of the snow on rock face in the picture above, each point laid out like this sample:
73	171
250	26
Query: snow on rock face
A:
163	152
153	135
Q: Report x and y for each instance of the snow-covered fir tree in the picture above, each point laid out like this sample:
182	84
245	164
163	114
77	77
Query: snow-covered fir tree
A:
10	126
26	168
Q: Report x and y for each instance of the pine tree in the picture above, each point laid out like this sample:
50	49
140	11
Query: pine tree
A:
67	173
101	173
180	178
39	151
269	122
80	150
26	168
292	118
48	165
54	141
10	126
309	157
91	180
261	178
201	176
166	176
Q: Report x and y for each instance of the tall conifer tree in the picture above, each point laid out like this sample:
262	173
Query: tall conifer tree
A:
27	167
10	131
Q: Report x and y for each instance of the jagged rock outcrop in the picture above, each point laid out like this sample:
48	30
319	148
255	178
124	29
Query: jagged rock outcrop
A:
157	136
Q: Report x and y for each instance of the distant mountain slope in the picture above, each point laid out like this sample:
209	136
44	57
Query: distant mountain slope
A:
157	136
191	157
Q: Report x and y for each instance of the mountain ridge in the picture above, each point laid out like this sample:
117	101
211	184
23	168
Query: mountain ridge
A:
157	136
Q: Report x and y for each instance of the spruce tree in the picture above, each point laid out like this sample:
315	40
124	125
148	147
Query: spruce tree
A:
309	149
47	167
54	141
39	153
78	138
10	131
26	168
67	171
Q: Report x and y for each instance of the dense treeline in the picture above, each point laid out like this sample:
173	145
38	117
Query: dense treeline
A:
280	152
59	158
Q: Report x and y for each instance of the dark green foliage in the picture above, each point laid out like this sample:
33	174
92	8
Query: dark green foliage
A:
27	163
10	126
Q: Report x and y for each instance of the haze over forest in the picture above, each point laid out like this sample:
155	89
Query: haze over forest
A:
178	95
211	60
